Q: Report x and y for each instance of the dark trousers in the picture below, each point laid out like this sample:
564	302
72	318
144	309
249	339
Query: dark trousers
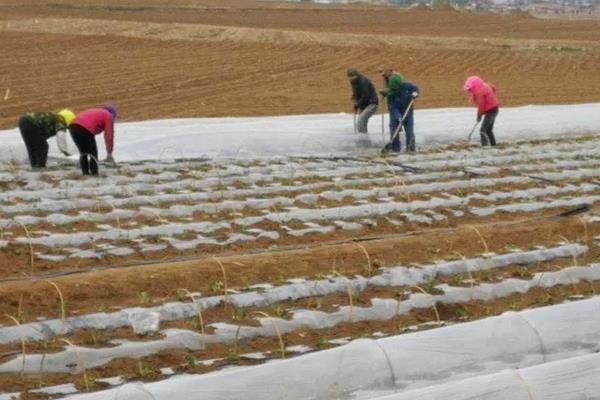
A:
487	127
88	151
396	115
35	142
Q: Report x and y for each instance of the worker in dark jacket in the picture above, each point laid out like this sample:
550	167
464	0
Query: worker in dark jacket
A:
364	98
37	127
405	99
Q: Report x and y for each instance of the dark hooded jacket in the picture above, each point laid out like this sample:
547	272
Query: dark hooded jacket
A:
363	92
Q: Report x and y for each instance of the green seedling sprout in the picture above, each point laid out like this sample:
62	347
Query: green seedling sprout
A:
225	290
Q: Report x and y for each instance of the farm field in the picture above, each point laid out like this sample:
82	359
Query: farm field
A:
283	257
192	266
157	59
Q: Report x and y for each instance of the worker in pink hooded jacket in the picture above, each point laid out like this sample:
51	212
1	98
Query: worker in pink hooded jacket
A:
83	129
483	95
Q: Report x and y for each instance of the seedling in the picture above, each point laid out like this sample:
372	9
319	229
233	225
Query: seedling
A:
23	341
144	296
277	331
574	255
471	280
435	310
234	355
225	290
31	255
350	292
144	371
197	306
369	265
63	307
586	237
485	245
215	285
80	363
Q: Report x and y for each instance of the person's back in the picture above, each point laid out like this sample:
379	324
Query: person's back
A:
405	95
363	92
48	123
485	97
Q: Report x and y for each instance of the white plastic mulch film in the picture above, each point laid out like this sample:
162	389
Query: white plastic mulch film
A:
572	379
406	362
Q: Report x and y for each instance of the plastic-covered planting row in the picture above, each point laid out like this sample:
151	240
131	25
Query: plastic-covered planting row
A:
499	159
153	171
512	340
139	317
180	211
131	185
347	212
514	149
576	378
112	184
215	206
71	359
381	309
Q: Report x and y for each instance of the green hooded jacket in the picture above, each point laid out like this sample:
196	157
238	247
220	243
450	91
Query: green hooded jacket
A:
393	85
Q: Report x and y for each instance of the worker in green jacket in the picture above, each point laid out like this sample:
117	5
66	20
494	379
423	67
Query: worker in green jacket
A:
37	127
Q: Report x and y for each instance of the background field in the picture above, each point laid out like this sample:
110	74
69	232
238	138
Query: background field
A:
215	58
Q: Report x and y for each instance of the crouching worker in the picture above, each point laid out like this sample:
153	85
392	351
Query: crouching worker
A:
37	127
83	129
483	95
364	98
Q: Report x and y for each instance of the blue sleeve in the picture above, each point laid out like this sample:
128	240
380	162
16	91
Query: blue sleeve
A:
412	88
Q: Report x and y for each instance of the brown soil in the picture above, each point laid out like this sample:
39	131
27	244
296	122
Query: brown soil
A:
287	58
103	290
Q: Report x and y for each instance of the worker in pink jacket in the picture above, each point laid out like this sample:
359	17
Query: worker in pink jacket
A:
483	95
83	129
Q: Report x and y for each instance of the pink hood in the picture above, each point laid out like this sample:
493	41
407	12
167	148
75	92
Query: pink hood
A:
482	94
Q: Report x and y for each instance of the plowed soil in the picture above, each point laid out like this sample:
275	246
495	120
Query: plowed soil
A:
214	58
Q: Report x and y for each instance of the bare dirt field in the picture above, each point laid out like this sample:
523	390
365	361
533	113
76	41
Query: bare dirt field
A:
211	58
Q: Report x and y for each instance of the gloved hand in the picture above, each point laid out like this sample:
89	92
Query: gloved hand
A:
110	159
355	108
479	117
415	95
